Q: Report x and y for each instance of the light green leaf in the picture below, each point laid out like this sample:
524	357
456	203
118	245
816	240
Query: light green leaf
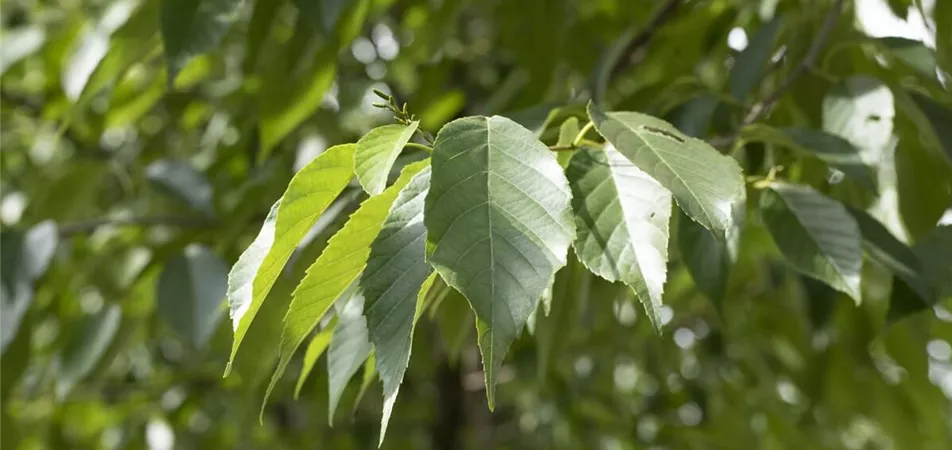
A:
816	235
567	133
621	215
376	153
350	347
704	182
86	347
336	270
499	224
193	27
180	179
392	285
315	349
750	64
309	193
190	293
829	148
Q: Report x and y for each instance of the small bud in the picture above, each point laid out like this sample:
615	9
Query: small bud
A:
379	105
381	94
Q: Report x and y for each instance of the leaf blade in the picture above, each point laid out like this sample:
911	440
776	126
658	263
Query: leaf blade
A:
377	151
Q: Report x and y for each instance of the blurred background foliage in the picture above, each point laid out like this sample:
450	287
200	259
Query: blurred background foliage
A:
143	143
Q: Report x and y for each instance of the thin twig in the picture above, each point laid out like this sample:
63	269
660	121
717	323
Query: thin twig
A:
630	56
89	226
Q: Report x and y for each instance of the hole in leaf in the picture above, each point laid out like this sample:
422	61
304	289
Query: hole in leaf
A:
874	118
663	132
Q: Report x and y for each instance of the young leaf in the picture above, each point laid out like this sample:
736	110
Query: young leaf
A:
392	283
705	183
499	225
335	270
816	235
193	27
349	348
315	349
832	149
621	215
309	193
567	132
190	292
376	153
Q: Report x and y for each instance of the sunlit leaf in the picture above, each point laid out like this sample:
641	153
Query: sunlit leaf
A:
621	215
309	193
705	183
376	153
499	224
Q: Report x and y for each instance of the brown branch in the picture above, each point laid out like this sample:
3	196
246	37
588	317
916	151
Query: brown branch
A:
89	226
631	55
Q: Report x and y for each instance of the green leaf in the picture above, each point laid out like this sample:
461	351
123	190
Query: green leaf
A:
933	253
913	53
892	254
131	43
942	15
314	350
180	179
707	258
860	109
571	289
193	27
567	133
705	183
350	347
16	291
815	234
621	215
86	347
392	286
376	153
366	380
831	149
309	193
499	224
455	322
938	117
750	64
255	360
190	293
335	270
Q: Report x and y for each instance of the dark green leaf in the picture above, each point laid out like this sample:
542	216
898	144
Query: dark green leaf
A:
885	249
621	215
499	224
706	257
939	117
183	181
391	284
86	347
705	183
193	27
816	235
750	64
190	293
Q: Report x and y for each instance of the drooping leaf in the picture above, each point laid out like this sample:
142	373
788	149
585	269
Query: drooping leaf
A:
833	150
193	27
182	180
750	64
315	349
705	183
622	216
815	234
349	348
932	253
376	153
707	258
308	195
392	283
939	117
336	270
190	293
86	347
499	224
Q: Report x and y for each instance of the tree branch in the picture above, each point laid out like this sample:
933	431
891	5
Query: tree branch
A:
631	55
89	226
